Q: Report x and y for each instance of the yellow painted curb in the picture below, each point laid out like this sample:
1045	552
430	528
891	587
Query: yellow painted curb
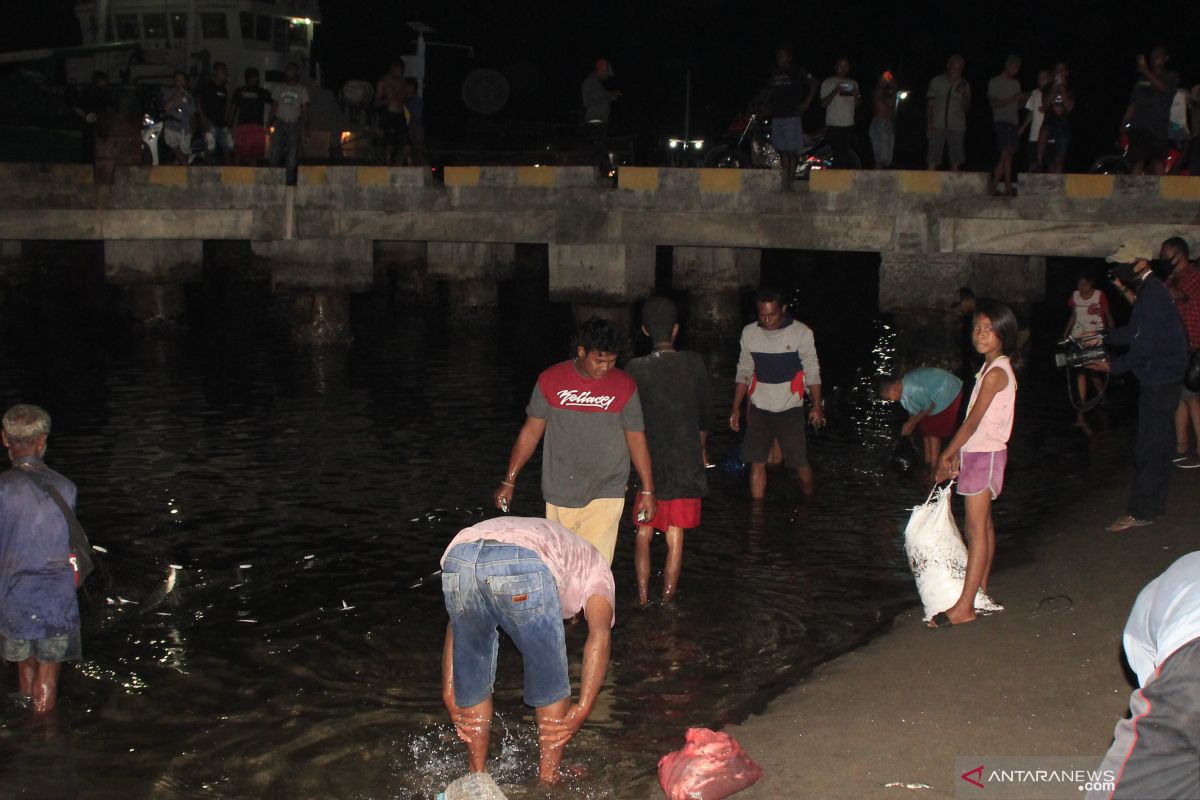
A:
1180	187
830	180
919	182
539	177
238	176
372	176
461	176
1089	186
714	181
169	176
311	176
80	173
643	179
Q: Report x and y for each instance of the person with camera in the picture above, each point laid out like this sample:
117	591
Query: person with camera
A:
1089	317
1157	354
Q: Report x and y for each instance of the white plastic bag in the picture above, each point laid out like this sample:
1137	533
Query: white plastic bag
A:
938	557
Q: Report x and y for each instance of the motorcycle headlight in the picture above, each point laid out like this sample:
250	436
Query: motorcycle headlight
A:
674	143
697	144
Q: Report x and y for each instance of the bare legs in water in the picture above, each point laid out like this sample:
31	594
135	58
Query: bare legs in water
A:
38	681
645	533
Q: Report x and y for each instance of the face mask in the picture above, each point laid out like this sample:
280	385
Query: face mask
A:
1125	273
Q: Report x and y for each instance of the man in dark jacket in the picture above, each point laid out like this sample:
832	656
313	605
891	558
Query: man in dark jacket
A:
1157	355
39	615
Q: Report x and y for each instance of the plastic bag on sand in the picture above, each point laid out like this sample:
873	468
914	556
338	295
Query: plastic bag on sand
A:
937	555
476	786
710	766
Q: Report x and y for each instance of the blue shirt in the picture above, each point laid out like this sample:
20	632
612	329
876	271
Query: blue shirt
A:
37	582
1157	342
929	386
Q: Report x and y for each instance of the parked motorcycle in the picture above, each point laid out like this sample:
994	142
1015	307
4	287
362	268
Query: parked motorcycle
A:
747	145
1120	163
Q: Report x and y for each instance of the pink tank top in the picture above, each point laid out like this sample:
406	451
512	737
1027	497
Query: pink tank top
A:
996	425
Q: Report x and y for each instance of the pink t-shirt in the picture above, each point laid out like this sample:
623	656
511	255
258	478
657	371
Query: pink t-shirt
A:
996	425
578	568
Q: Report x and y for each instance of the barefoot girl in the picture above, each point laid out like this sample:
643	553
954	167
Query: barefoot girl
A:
978	452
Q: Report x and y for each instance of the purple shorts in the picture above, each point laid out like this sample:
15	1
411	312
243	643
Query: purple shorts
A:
981	471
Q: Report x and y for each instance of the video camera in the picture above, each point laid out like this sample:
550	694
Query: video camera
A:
1072	352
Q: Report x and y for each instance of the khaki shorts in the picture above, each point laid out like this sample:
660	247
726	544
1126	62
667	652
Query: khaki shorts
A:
595	523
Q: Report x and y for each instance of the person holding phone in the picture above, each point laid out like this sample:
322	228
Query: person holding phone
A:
840	98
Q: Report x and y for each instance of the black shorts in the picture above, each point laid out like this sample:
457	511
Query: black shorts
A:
395	128
1145	145
764	427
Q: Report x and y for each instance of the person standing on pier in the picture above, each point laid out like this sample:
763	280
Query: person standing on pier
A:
290	112
673	386
790	91
390	94
777	365
1006	97
250	104
948	99
591	415
39	613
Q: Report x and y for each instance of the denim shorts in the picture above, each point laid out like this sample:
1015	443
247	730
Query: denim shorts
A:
488	585
67	647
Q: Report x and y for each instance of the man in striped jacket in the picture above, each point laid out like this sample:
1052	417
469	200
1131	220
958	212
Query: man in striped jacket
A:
777	364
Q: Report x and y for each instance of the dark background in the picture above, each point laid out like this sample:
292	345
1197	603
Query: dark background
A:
545	49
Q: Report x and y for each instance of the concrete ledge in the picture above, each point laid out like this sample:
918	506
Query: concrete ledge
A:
1179	187
461	176
831	180
720	181
1087	186
913	182
639	179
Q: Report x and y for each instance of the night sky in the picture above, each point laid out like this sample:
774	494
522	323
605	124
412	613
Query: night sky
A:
546	48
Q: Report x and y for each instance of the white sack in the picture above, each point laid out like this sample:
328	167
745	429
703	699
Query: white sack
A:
938	557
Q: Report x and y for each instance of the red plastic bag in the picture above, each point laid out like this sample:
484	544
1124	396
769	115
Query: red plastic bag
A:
709	767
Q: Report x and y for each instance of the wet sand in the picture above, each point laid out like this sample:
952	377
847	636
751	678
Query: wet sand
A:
1044	678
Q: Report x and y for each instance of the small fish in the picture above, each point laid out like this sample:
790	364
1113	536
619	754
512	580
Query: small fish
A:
248	620
99	549
175	566
245	566
346	607
124	602
310	557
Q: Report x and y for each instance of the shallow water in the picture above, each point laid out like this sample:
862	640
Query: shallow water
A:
307	496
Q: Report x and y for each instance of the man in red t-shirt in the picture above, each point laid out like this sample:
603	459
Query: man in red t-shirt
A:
591	416
1184	284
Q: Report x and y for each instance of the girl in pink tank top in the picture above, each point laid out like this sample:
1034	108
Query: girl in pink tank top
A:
978	453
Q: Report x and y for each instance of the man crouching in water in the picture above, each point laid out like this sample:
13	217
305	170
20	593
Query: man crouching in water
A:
525	575
39	614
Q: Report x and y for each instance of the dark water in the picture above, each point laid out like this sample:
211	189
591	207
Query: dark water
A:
307	494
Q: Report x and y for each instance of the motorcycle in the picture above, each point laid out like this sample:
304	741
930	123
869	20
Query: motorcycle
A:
151	134
1120	163
747	145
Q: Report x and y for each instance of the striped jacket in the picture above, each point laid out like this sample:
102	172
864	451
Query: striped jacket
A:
777	365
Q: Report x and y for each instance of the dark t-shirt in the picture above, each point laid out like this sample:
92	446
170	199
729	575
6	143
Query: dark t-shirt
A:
251	103
675	405
1152	108
214	102
584	453
789	88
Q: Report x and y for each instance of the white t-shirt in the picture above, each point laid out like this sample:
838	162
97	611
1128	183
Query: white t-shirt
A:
840	111
1165	617
290	99
1034	106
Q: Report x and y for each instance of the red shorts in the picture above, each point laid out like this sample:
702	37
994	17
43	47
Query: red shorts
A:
942	424
681	513
250	141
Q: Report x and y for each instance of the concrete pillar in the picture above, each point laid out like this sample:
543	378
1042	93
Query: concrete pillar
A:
603	274
153	274
714	278
402	271
921	291
317	276
10	268
470	271
320	317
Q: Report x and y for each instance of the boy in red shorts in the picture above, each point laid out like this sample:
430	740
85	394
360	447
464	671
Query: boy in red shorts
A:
248	120
673	386
932	398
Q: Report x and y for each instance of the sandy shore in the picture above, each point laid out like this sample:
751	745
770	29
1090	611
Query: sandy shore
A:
1044	678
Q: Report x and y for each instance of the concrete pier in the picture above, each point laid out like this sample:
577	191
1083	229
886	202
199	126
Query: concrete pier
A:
714	278
934	231
152	274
